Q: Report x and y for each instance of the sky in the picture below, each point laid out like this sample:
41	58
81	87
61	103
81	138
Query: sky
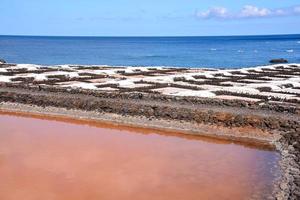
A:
149	18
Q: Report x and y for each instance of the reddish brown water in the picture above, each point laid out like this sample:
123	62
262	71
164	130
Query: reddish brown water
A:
42	159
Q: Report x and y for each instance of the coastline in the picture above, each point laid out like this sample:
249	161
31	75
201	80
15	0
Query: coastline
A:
244	117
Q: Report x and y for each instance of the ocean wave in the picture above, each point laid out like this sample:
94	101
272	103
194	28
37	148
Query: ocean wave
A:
290	50
298	42
213	49
155	56
149	56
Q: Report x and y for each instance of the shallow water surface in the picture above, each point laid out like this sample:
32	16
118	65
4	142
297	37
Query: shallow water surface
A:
62	160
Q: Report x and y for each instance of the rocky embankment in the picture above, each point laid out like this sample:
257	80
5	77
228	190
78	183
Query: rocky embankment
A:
228	113
289	146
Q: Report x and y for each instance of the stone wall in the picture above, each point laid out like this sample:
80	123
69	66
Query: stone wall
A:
116	103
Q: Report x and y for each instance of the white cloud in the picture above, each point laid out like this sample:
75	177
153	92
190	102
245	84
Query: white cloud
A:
297	9
252	11
216	12
248	11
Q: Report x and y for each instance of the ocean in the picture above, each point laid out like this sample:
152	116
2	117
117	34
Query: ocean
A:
221	52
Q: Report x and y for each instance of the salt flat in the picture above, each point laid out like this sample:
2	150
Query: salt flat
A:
279	83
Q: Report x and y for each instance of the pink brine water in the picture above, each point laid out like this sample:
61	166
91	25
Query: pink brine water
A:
67	160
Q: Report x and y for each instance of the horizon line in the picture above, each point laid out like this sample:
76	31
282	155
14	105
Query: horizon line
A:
16	35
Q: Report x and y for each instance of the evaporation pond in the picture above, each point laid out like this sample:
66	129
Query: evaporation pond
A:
51	159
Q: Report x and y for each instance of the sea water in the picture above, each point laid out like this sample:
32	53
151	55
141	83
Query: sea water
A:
226	52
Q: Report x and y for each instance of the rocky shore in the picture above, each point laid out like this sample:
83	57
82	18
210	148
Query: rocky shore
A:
215	106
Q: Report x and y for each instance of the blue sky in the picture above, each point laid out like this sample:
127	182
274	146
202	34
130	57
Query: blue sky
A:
149	18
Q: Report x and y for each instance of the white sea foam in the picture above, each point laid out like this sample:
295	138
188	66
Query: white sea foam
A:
290	50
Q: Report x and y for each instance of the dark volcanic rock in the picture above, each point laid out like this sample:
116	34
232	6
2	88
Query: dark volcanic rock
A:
290	151
2	61
279	60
